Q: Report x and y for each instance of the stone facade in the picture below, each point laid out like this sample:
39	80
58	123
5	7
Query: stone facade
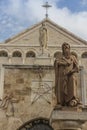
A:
27	77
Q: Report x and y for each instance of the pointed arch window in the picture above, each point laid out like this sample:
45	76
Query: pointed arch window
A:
17	54
3	54
30	54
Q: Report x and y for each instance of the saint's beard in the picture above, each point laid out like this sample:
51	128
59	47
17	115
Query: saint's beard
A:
67	54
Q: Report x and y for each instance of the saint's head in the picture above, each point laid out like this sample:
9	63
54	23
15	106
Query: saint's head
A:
66	49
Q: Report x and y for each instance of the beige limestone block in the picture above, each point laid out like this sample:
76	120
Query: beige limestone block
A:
14	123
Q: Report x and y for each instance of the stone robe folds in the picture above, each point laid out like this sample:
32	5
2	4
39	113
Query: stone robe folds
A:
43	37
65	79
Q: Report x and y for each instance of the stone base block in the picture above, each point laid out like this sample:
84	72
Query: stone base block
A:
68	120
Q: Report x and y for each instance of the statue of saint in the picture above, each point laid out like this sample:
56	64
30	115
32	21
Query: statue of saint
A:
66	68
43	36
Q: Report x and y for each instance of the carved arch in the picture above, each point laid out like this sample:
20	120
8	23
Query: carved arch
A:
30	54
84	55
3	53
17	54
57	54
74	53
36	124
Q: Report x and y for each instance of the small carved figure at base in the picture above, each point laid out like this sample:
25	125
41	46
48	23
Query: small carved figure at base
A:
74	102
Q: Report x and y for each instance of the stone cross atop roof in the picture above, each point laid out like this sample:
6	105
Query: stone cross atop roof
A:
46	6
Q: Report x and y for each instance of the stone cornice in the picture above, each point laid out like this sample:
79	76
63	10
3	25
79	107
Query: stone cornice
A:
37	46
27	66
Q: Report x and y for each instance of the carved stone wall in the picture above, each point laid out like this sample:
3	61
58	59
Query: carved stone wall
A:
28	91
33	89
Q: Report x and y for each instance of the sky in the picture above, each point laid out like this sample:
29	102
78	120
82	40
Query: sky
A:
18	15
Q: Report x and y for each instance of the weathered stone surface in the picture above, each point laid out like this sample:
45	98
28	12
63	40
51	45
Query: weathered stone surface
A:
20	80
14	123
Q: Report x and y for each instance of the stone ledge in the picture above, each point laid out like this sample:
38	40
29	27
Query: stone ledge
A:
28	66
68	115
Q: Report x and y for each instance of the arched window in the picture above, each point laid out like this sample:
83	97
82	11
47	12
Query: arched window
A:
30	54
73	53
3	54
36	124
84	55
17	54
57	54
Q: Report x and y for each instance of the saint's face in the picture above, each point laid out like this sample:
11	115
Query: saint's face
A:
66	49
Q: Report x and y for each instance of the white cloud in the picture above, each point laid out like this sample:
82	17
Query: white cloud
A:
30	11
83	2
75	22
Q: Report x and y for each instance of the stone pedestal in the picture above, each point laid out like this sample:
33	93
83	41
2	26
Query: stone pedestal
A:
68	119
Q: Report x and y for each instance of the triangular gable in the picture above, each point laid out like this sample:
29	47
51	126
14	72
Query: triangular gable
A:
56	36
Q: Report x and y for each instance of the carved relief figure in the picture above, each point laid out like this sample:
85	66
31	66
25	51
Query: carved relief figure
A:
7	103
66	68
43	38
